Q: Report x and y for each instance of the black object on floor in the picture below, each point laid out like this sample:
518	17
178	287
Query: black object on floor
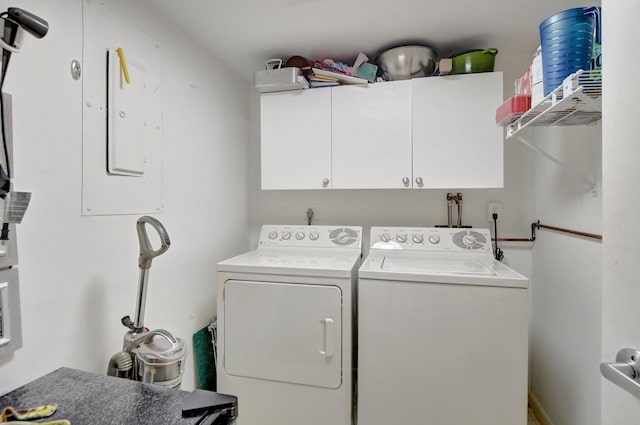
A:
215	408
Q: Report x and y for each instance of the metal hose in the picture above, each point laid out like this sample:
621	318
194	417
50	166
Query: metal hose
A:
120	365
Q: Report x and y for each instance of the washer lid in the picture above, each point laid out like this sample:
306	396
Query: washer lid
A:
297	262
440	268
432	264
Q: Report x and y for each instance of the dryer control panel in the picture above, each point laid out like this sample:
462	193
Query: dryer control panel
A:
311	236
434	239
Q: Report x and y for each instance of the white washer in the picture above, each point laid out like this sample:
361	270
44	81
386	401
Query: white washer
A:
442	331
286	326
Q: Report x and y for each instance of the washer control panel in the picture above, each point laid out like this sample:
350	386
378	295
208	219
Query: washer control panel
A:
311	236
443	239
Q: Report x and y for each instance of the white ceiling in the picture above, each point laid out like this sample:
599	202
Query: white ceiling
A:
245	33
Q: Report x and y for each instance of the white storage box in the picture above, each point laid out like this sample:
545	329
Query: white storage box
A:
279	79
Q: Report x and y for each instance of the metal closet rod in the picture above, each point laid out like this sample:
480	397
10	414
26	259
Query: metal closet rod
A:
538	225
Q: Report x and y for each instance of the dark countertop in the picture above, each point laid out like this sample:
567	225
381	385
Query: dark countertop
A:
88	398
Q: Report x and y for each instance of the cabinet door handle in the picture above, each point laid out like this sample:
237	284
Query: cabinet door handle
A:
405	181
419	181
325	182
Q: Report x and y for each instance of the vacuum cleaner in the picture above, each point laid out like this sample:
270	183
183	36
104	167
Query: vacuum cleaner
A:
155	356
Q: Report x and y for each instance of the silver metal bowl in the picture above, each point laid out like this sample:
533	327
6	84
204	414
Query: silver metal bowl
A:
404	62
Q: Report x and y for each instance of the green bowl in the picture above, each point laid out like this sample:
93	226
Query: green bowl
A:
473	61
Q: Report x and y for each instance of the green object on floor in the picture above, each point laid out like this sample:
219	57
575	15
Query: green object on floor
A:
205	359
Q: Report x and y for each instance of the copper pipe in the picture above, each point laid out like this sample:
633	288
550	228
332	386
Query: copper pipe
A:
449	207
537	225
571	232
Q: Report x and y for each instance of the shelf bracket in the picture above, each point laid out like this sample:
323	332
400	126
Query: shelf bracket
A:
588	182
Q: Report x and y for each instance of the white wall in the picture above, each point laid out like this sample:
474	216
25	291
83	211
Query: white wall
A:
621	150
78	274
565	293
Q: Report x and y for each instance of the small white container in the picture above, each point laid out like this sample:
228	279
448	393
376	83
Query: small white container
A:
279	79
537	94
536	67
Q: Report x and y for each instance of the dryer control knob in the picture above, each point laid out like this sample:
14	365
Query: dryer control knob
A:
385	237
286	235
299	236
469	240
434	239
417	238
402	238
314	236
273	235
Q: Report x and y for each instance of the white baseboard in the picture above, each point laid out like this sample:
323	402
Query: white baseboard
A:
538	411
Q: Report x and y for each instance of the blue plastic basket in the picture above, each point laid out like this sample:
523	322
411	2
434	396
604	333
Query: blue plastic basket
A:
567	40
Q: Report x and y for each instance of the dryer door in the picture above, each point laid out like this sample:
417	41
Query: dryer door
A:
283	332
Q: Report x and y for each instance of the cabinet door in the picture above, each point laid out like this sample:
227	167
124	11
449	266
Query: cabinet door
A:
456	141
371	136
295	132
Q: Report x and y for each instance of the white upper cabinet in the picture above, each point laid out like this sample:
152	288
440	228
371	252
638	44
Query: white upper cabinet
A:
371	136
456	141
295	134
424	133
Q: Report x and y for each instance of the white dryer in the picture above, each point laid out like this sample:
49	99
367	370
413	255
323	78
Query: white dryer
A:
442	331
286	326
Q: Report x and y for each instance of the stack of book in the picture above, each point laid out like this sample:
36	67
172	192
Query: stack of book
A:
324	78
317	78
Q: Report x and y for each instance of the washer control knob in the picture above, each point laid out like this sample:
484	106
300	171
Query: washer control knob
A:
401	237
286	235
299	236
385	237
273	235
343	237
417	238
314	236
469	240
434	239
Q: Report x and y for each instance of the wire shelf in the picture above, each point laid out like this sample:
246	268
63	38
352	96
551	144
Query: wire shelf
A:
576	102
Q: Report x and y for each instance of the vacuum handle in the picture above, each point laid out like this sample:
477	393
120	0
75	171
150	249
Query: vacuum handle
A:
164	333
147	253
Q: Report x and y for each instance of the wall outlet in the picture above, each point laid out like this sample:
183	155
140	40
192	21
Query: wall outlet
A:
494	208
